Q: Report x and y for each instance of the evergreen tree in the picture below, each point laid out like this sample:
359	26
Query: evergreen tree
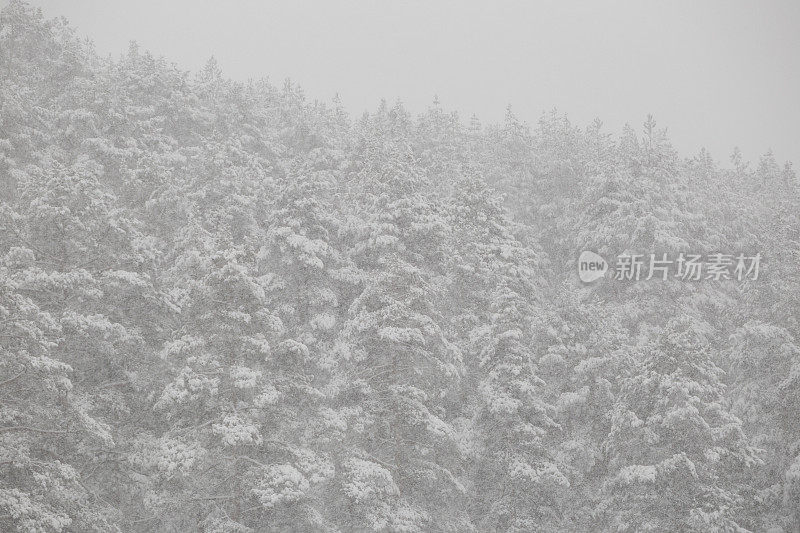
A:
677	451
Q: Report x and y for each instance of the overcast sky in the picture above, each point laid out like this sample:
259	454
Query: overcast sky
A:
715	73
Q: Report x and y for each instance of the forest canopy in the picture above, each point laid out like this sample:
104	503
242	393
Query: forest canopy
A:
224	307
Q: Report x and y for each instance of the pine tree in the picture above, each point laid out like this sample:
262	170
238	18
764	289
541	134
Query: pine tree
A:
515	488
677	451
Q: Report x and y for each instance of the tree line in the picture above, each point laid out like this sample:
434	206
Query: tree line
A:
224	307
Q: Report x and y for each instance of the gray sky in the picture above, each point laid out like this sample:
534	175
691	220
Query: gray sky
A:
715	73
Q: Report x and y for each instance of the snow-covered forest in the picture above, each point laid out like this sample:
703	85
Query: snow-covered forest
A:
227	308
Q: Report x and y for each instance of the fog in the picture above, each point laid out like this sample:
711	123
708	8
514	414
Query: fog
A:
716	74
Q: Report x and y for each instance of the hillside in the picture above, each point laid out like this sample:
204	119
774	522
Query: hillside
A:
226	308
